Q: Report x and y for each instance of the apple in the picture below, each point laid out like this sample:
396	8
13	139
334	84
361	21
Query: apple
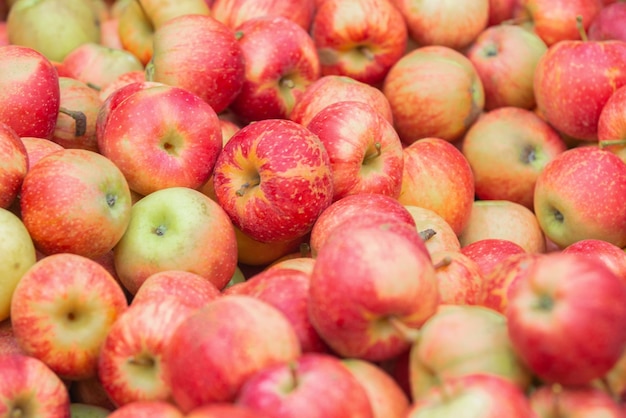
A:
505	57
30	97
298	388
386	397
287	290
483	395
75	201
29	388
121	81
76	123
361	39
424	85
252	252
13	167
224	410
235	12
17	256
438	177
501	11
489	253
611	126
372	286
463	340
216	343
372	207
81	410
613	256
330	89
579	195
273	178
162	136
153	409
564	317
459	278
37	148
97	65
574	402
52	27
198	53
557	88
275	78
555	20
614	382
66	325
608	24
90	391
189	288
507	148
453	24
504	219
8	342
364	149
438	235
110	32
139	20
176	228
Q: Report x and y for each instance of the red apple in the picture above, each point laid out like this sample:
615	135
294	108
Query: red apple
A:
235	12
372	285
29	388
579	195
30	97
613	256
162	136
507	148
564	318
438	177
224	410
273	178
191	289
314	385
13	167
145	409
361	39
453	24
121	81
505	57
573	402
62	310
459	278
37	148
8	343
200	54
438	235
210	355
501	11
422	88
612	124
364	149
331	89
489	253
257	253
608	24
275	78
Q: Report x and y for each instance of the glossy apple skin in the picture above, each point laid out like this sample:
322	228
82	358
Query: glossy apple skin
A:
37	148
29	385
287	390
574	402
200	54
507	148
558	89
84	195
424	85
584	203
86	301
612	255
505	57
14	165
490	252
360	39
31	96
365	307
438	177
221	354
265	174
609	23
174	142
288	291
563	318
235	12
275	78
364	149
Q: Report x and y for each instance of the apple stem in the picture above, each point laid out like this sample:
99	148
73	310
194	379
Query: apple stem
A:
446	261
79	118
305	249
609	142
247	185
287	82
410	334
149	70
427	234
238	34
93	86
367	52
556	399
581	28
370	157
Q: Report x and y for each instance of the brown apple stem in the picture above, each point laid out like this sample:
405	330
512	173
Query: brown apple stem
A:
248	185
410	334
610	142
427	234
446	261
367	52
79	118
581	28
370	157
305	249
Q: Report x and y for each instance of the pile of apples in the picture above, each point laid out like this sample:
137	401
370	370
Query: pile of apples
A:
312	208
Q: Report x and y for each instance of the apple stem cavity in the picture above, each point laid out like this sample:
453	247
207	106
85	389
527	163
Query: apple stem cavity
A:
142	360
545	303
111	199
79	118
287	82
581	28
372	156
247	186
529	155
409	334
366	52
427	234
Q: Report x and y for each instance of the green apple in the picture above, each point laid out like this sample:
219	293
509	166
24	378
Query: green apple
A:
17	254
53	27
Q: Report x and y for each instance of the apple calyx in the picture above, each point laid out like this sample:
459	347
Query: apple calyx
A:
20	409
427	234
491	49
545	302
79	119
160	230
529	155
581	28
411	335
369	156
